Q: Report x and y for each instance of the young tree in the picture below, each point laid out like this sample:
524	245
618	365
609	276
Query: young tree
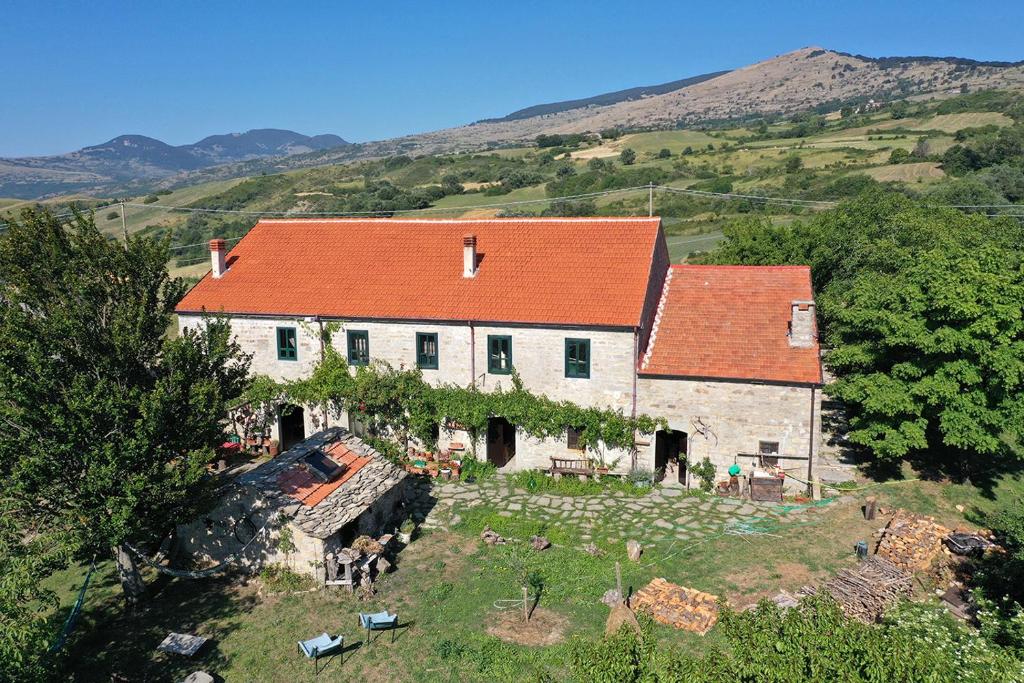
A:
627	157
106	425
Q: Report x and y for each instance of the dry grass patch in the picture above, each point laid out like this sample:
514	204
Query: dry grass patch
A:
545	627
907	173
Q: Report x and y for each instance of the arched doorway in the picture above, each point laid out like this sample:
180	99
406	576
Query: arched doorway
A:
292	423
670	455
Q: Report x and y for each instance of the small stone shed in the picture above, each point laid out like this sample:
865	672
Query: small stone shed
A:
321	494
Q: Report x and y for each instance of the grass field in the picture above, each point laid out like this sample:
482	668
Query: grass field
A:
448	587
907	173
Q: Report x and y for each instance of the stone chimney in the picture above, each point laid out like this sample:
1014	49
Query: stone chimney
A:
218	252
469	256
801	325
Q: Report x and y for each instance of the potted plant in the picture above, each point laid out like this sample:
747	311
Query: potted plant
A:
273	448
406	531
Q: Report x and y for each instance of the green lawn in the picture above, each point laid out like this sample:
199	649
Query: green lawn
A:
448	590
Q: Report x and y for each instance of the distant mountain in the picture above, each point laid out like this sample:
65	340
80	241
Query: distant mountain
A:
137	161
605	99
812	78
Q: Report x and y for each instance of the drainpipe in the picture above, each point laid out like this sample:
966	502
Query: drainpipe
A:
636	360
472	354
810	445
323	355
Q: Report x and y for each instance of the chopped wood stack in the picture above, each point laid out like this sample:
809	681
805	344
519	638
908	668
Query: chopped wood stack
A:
677	606
867	590
911	542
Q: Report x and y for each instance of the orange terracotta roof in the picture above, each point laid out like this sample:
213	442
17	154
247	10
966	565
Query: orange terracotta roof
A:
575	271
298	483
732	322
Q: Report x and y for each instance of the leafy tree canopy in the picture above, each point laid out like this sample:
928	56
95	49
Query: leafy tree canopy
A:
921	314
106	424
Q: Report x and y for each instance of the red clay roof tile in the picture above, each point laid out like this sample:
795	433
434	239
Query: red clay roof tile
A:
732	322
573	271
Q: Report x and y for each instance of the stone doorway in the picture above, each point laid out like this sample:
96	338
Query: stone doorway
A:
670	455
501	441
292	423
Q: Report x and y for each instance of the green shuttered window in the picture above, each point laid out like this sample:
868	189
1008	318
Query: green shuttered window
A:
287	346
577	358
426	350
499	354
358	347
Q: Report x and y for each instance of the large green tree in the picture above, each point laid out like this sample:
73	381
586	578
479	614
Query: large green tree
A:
921	312
106	422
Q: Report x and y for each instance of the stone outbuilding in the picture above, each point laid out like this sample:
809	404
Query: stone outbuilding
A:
312	500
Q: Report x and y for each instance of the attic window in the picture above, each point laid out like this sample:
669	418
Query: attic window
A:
322	467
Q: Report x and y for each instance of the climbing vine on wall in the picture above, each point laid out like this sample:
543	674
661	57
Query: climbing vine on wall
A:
397	401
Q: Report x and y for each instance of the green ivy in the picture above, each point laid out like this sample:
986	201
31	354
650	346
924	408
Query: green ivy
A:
397	402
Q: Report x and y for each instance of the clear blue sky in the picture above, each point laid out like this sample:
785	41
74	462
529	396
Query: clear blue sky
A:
78	73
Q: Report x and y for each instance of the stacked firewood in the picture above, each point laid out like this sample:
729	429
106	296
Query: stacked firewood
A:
867	590
677	606
911	542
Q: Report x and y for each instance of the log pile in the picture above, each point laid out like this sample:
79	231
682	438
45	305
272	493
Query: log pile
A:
911	542
867	590
677	606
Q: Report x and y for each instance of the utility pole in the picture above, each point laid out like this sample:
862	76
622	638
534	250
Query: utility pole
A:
124	225
650	199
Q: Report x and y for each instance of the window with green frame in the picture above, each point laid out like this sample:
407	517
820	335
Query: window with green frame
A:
287	346
577	358
358	347
426	350
499	354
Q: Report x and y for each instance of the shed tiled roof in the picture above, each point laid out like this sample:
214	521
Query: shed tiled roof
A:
732	322
322	509
571	271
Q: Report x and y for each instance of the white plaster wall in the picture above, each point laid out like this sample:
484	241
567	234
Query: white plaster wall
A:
739	415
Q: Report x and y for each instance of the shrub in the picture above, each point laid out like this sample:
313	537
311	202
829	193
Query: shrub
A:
150	199
705	472
280	579
476	470
113	215
627	157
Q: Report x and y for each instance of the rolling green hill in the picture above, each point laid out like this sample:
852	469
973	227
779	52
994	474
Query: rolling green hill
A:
920	149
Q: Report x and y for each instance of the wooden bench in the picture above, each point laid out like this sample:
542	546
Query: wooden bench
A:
580	467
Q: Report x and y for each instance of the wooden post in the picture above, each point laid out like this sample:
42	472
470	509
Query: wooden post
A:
526	604
124	226
869	507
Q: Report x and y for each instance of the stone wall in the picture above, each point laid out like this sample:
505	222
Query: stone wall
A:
538	354
214	542
734	416
737	414
536	454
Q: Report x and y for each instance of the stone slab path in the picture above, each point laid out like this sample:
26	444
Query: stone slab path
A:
664	515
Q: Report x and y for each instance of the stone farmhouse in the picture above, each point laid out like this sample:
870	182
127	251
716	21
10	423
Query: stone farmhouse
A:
588	310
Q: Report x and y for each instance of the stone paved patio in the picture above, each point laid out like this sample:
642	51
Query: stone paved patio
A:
664	515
